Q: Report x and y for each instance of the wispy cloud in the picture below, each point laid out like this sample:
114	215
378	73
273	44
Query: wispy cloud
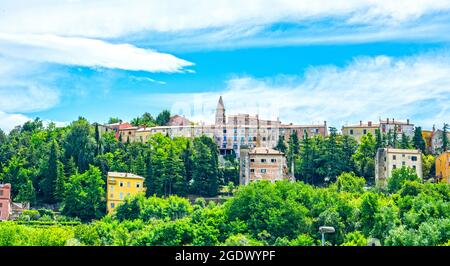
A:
87	52
368	88
191	24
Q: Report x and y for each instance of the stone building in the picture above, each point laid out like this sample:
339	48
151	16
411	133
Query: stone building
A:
359	130
400	126
5	201
261	163
388	159
229	132
436	141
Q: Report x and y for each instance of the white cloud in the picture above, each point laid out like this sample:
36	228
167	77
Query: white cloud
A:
87	52
9	121
368	88
113	18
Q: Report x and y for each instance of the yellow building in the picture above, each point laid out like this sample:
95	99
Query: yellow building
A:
121	185
427	135
443	167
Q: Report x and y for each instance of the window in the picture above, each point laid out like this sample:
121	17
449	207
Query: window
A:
1	204
273	160
403	163
138	185
112	205
1	192
394	166
364	131
351	131
224	131
263	171
414	158
394	157
254	138
263	160
121	195
111	188
414	167
252	160
264	138
121	184
252	170
111	195
129	184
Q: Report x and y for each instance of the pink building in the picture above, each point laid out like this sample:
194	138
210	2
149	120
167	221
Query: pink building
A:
5	201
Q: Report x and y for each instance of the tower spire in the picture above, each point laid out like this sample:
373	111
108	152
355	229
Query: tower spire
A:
220	112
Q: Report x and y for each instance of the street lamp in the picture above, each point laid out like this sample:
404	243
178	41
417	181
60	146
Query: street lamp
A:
325	230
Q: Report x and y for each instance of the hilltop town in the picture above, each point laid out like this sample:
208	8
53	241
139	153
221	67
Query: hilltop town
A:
168	169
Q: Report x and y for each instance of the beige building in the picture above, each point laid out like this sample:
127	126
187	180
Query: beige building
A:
261	163
359	130
229	132
388	159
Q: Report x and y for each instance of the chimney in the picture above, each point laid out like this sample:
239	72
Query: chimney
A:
407	121
360	122
393	120
369	123
434	128
387	119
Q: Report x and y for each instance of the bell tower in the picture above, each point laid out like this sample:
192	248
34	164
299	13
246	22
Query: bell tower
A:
220	113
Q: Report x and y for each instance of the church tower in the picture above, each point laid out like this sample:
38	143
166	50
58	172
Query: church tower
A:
220	112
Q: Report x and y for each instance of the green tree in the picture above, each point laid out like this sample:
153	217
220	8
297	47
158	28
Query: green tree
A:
399	176
281	145
113	120
405	142
85	195
205	174
53	173
163	118
365	157
418	141
445	141
351	183
80	144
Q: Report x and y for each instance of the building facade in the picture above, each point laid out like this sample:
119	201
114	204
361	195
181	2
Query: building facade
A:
261	163
120	186
361	129
392	125
436	141
229	132
443	167
5	201
388	159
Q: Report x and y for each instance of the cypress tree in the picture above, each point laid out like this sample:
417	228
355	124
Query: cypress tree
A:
418	141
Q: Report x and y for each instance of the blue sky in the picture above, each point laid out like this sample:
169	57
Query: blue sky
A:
340	61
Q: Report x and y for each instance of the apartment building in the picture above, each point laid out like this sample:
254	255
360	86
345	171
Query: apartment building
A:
359	130
120	186
393	125
443	167
261	163
303	130
436	141
5	201
388	159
